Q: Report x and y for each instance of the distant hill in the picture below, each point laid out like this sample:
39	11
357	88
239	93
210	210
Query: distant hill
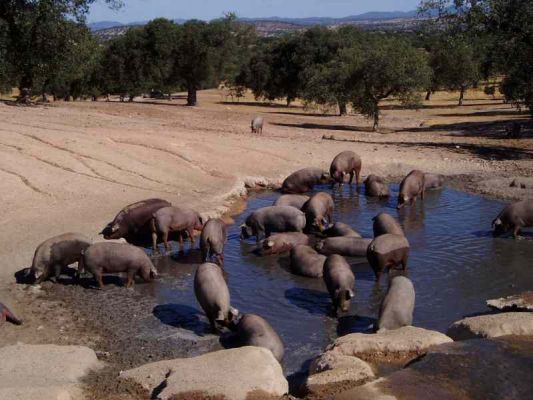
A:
96	26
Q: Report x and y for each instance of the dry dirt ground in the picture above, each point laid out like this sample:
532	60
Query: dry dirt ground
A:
73	166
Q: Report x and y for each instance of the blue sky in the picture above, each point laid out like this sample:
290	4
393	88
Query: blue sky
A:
140	10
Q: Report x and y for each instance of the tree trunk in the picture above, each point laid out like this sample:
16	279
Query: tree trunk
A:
25	86
462	95
192	99
428	95
45	97
342	109
289	101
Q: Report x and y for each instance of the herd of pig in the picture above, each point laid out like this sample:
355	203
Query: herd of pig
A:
295	223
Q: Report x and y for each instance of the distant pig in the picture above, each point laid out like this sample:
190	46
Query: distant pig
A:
340	281
283	242
174	219
387	251
133	223
253	330
341	229
264	221
514	217
292	200
398	305
385	223
345	163
433	181
344	245
307	262
304	180
411	187
213	295
318	211
212	240
103	257
375	186
56	253
257	125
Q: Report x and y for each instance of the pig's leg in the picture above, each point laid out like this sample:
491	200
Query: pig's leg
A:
98	277
516	232
131	275
191	237
165	240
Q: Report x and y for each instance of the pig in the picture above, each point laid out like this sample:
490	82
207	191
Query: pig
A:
133	223
345	163
341	229
307	262
264	221
174	219
375	186
433	181
7	315
339	280
385	223
213	295
397	307
293	200
283	242
212	240
253	330
56	253
257	125
344	245
304	180
514	217
387	251
105	257
318	211
411	187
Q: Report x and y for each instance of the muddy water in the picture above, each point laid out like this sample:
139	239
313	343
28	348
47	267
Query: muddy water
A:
455	265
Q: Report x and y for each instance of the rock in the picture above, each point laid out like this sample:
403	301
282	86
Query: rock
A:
395	346
44	372
492	325
330	360
233	373
518	302
470	370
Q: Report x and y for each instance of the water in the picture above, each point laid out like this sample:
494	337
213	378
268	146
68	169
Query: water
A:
455	265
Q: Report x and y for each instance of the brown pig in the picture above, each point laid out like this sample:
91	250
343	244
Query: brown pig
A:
318	211
264	221
388	251
283	242
304	180
411	187
344	245
385	223
307	262
212	240
112	257
174	219
292	200
375	186
397	307
341	229
433	181
513	218
339	280
345	163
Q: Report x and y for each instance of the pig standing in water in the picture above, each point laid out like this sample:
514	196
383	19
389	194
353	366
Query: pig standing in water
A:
7	315
387	251
307	262
398	305
513	218
56	253
385	223
133	222
304	180
105	257
257	125
411	187
318	211
212	293
283	242
341	229
174	219
375	186
339	280
433	181
345	163
253	330
264	221
344	245
292	200
213	239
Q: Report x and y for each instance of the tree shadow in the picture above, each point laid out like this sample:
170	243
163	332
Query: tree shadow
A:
490	113
257	104
313	301
332	127
182	316
304	114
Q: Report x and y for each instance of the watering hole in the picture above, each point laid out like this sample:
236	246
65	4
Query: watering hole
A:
455	265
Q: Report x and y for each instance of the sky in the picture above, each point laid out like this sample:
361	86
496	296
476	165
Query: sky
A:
142	10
